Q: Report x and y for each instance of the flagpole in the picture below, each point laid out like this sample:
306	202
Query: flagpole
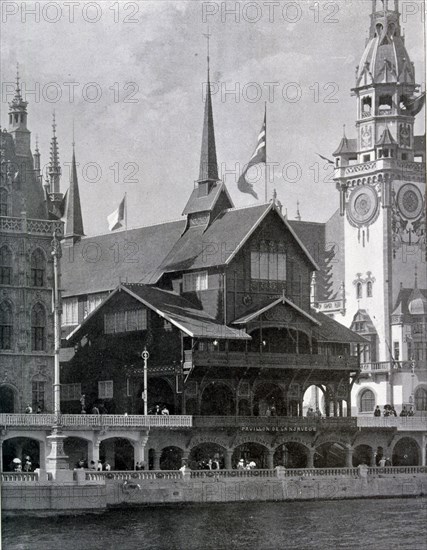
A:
126	216
265	168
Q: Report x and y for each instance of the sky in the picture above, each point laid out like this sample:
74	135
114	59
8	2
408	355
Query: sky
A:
132	75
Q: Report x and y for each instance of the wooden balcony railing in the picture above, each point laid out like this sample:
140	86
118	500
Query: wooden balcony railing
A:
274	360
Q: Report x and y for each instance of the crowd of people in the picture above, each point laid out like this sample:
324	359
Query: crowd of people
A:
99	466
159	409
391	411
24	465
314	413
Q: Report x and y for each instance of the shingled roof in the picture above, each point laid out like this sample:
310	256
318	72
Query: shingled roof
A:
174	308
98	264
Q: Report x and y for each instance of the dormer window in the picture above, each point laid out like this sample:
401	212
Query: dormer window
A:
193	282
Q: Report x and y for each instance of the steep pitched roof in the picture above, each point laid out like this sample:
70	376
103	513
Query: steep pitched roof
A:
200	248
333	332
73	209
208	163
172	307
404	299
197	203
386	138
249	316
99	263
346	146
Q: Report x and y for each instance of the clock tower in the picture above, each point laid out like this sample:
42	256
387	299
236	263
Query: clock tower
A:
380	176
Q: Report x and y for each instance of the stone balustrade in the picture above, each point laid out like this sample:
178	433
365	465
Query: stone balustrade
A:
402	423
276	473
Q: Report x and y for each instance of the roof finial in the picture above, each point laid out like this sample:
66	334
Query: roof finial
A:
298	216
18	89
416	277
54	123
73	142
37	143
208	37
343	130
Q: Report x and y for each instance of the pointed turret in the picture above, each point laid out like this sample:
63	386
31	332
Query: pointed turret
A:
208	163
210	195
18	121
54	169
73	212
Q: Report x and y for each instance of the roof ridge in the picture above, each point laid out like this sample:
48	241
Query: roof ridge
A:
246	207
123	230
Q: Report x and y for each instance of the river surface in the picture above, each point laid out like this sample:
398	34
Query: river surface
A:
384	524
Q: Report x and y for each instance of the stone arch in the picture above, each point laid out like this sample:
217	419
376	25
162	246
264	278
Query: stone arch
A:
420	398
200	455
291	454
76	448
218	399
363	454
331	454
171	457
118	452
366	399
251	451
18	446
9	398
405	451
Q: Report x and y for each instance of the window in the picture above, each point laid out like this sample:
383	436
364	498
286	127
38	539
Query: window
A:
4	202
71	392
369	289
5	326
38	268
421	399
5	266
195	281
125	321
359	291
70	311
396	351
38	328
105	389
39	390
404	156
268	263
367	401
93	301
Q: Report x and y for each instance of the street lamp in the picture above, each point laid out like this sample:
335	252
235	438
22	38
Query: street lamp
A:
145	355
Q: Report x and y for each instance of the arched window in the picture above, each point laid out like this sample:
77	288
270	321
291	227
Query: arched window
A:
369	289
367	401
5	266
421	399
38	328
359	290
4	202
5	326
38	268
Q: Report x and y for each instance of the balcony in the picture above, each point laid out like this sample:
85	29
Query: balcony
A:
9	224
406	423
95	421
273	360
388	366
378	165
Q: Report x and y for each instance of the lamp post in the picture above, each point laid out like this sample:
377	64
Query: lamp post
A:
145	355
57	461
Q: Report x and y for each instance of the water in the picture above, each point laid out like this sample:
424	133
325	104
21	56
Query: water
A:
386	524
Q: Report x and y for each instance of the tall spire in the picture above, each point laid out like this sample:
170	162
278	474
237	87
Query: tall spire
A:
18	107
54	170
73	212
208	162
37	157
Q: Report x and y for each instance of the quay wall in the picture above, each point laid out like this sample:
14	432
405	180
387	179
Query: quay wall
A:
123	489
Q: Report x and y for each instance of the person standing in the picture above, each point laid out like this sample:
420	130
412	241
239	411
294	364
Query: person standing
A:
28	409
377	411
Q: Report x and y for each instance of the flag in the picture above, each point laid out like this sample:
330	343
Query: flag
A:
415	104
259	156
116	218
329	161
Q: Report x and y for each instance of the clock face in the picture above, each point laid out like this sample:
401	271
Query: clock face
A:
363	206
410	201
